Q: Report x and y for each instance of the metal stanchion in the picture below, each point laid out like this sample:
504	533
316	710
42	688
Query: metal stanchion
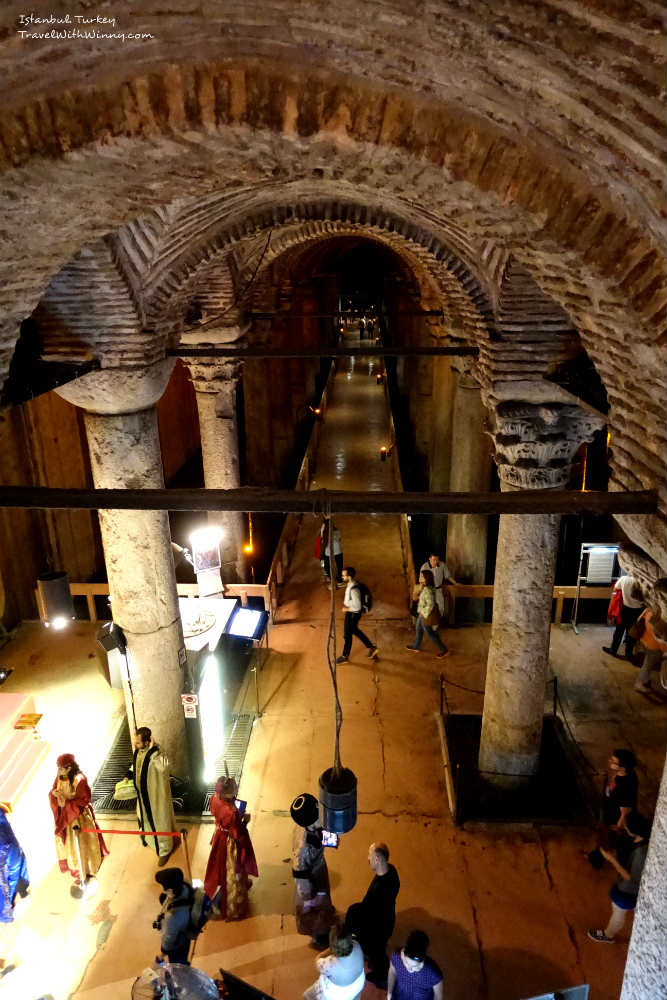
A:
186	852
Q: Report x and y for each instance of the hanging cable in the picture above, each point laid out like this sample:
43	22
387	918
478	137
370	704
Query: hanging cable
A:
238	298
331	641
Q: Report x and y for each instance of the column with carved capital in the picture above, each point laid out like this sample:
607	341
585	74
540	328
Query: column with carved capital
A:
534	446
215	382
124	444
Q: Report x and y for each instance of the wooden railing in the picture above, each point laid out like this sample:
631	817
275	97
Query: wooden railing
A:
92	590
560	594
245	590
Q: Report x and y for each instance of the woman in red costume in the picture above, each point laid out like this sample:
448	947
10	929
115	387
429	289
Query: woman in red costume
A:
79	853
232	859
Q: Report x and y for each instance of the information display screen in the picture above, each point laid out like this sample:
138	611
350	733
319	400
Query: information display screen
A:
244	623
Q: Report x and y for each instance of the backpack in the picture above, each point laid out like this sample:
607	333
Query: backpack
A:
615	608
200	911
366	598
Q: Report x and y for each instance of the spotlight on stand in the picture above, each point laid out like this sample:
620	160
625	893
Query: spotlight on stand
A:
111	636
54	600
205	544
4	674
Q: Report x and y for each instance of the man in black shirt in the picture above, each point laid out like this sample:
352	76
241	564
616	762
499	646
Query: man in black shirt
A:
372	921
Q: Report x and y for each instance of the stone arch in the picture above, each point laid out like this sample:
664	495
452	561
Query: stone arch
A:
272	125
319	218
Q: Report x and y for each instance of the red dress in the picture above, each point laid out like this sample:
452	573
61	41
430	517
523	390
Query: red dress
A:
231	861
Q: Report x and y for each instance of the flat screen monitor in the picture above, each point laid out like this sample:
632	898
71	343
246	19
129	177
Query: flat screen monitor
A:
570	993
245	623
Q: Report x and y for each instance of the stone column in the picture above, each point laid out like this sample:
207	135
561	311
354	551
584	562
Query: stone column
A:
122	430
646	963
443	385
534	447
215	381
470	472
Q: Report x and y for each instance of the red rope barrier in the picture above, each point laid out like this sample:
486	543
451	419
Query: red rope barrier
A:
135	833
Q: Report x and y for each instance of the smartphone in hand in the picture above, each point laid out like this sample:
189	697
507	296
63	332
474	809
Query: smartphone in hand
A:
240	805
329	839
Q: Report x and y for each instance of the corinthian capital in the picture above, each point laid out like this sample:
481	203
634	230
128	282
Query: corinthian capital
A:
535	444
211	374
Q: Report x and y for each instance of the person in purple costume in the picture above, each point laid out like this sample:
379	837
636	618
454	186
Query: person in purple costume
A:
412	974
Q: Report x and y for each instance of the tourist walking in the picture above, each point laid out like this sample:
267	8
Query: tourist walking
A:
325	556
79	853
312	897
441	577
619	800
624	892
372	920
341	969
428	616
155	808
14	880
654	646
631	607
412	974
352	602
232	858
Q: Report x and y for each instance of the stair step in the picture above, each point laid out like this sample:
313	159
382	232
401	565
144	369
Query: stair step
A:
18	773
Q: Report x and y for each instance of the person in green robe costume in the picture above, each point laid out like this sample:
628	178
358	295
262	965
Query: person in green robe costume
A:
155	809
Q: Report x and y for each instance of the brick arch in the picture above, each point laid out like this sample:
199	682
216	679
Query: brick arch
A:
299	222
133	144
438	288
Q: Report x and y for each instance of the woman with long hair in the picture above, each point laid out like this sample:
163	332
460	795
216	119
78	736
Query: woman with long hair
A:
428	616
79	853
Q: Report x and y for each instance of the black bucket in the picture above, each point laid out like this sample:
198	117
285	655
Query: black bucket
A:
338	800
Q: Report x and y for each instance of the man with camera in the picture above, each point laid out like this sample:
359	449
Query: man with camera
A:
173	921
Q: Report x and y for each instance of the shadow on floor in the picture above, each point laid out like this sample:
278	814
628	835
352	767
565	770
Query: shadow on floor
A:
502	974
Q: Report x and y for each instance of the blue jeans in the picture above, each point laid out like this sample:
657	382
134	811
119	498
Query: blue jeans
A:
430	632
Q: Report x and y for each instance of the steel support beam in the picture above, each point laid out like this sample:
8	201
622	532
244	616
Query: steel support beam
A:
353	316
257	500
324	352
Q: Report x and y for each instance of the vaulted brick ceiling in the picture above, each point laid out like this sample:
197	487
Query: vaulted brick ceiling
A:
492	145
